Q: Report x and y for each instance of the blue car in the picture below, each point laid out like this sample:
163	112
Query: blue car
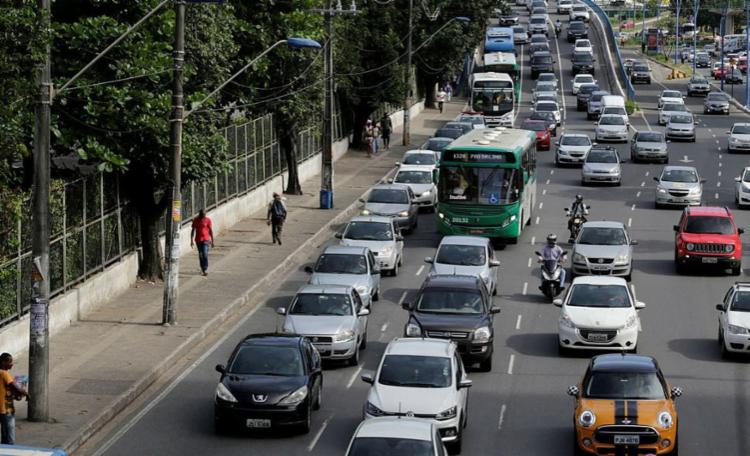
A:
19	450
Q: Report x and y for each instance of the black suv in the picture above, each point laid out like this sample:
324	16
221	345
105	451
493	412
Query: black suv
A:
576	30
583	62
640	72
584	94
458	308
541	62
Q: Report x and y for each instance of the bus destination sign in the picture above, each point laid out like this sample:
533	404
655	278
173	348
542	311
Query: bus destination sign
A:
477	157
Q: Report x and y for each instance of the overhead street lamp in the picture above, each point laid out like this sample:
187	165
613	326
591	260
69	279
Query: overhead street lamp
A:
178	117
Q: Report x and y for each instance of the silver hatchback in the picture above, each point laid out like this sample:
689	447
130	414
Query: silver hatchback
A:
602	165
353	266
681	126
679	186
466	255
649	146
603	248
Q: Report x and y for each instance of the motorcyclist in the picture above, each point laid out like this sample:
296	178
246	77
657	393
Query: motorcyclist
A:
577	209
553	252
558	27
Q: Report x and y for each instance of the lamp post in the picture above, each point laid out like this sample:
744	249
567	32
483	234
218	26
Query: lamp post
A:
696	5
677	32
169	310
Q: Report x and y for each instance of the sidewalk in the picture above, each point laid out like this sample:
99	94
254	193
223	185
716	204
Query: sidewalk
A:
102	362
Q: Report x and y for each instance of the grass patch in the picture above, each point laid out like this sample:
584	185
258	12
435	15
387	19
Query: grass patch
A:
631	107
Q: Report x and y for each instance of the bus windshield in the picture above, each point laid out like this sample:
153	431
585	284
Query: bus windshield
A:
492	96
469	185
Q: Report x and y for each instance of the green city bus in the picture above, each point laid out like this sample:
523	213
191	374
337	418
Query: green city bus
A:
503	62
487	184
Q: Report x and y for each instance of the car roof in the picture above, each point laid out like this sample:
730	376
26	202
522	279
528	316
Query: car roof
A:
603	224
465	240
680	168
420	151
422	168
600	280
345	250
371	218
583	76
390	187
283	340
420	346
623	362
396	428
741	124
324	289
574	134
465	282
708	210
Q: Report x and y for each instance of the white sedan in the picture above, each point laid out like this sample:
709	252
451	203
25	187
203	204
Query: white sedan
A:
734	320
611	127
670	96
599	313
670	109
583	45
549	106
739	137
419	179
742	188
579	80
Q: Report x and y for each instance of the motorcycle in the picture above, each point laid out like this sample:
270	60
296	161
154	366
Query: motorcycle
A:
575	222
558	29
552	275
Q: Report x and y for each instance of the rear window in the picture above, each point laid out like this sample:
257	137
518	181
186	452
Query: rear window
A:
540	59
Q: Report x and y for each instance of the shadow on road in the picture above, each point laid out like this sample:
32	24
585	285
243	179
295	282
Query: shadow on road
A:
698	349
538	344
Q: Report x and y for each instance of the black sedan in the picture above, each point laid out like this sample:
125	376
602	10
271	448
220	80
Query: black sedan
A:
270	380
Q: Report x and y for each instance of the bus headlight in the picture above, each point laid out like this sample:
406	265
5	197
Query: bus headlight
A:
508	221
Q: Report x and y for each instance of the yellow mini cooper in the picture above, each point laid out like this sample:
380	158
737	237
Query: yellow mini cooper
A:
624	406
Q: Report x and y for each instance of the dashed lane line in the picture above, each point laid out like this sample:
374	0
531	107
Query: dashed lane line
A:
419	271
384	327
510	363
502	417
541	205
518	322
533	240
632	208
319	434
630	222
525	288
547	183
354	377
401	299
643	184
638	195
530	261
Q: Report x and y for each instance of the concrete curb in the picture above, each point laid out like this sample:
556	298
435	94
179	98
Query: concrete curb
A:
248	298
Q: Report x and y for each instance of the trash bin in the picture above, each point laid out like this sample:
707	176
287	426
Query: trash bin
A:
326	199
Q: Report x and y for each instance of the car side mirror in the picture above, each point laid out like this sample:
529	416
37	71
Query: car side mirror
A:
220	368
720	307
367	378
729	132
676	392
281	311
363	313
740	230
737	179
557	143
309	269
573	391
557	302
338	235
676	227
536	252
565	209
465	384
361	200
429	260
640	305
494	263
399	238
703	181
398	163
588	207
406	305
494	310
375	271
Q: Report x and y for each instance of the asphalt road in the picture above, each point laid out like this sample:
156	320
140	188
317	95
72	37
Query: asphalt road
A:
521	407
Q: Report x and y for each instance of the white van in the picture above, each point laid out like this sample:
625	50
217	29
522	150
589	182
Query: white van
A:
614	104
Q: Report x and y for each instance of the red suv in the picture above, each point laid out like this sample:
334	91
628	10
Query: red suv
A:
543	140
708	236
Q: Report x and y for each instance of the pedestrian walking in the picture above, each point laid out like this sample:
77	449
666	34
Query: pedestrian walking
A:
448	91
376	138
386	127
275	217
440	99
202	233
11	390
367	133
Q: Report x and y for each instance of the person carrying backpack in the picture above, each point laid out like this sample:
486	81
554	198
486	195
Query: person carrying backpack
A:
276	216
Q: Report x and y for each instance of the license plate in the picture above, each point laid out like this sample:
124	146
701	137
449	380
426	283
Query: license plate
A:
476	231
597	337
324	350
627	440
709	260
600	268
258	423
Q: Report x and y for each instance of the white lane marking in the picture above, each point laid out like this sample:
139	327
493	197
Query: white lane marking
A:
710	130
561	79
354	377
384	327
525	288
718	184
551	172
647	172
717	141
718	148
401	300
421	268
630	222
719	173
643	184
537	220
638	195
518	322
714	137
529	262
541	205
533	240
720	154
510	364
544	192
716	196
632	208
502	418
547	183
719	164
318	434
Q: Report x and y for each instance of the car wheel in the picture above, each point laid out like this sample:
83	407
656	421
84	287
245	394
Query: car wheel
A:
737	270
563	351
220	426
376	296
486	365
679	267
363	343
394	271
354	360
657	205
318	397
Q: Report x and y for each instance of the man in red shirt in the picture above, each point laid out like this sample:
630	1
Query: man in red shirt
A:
202	234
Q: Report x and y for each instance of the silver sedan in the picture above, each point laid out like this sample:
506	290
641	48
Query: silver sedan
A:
649	145
602	165
679	186
603	248
681	126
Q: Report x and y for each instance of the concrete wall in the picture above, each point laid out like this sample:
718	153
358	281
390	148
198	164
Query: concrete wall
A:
118	278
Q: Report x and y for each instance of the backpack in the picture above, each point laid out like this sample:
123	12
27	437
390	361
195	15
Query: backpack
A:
278	210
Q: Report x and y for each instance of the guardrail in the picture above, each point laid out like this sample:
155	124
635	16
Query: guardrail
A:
612	44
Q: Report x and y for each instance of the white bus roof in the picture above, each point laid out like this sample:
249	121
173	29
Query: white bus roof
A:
496	58
491	76
494	138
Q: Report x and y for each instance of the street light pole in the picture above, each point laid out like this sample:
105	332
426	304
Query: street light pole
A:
406	137
39	308
677	32
696	5
722	32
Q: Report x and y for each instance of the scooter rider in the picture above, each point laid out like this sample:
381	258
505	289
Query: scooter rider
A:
552	251
577	209
558	28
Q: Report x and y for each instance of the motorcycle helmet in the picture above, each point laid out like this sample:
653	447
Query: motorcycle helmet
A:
579	198
551	239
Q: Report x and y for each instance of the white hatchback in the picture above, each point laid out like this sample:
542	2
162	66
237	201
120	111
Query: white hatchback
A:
742	188
734	320
396	436
583	45
380	235
670	96
579	80
598	313
466	255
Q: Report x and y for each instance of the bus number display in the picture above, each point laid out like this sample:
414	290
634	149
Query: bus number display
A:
477	157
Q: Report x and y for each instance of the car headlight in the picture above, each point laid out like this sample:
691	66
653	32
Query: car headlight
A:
440	215
344	336
587	418
370	409
661	190
223	393
689	246
362	290
665	420
578	258
631	322
566	321
622	259
562	151
695	191
482	334
734	329
403	214
413	330
425	194
295	397
729	248
387	250
447	414
365	212
734	140
508	221
586	169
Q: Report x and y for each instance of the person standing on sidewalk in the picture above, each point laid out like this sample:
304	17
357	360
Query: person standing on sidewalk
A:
440	99
367	135
276	216
202	233
448	91
386	127
11	391
376	138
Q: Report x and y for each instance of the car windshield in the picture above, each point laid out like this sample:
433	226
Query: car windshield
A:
602	236
651	136
617	110
592	295
671	94
419	159
378	446
546	78
682	119
519	29
699	81
436	144
544	87
584	79
741	130
741	302
413	177
582	57
341	264
534	126
416	371
544	115
679	175
674	107
642	68
583	43
576	26
709	225
541	59
601	156
546	107
624	385
450	301
388	196
448	132
537	20
587	89
321	304
266	360
484	186
575	140
717	96
474	120
462	255
368	231
612	120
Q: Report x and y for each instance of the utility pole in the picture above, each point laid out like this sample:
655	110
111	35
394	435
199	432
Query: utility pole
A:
722	32
175	216
407	80
39	312
696	5
326	175
677	32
